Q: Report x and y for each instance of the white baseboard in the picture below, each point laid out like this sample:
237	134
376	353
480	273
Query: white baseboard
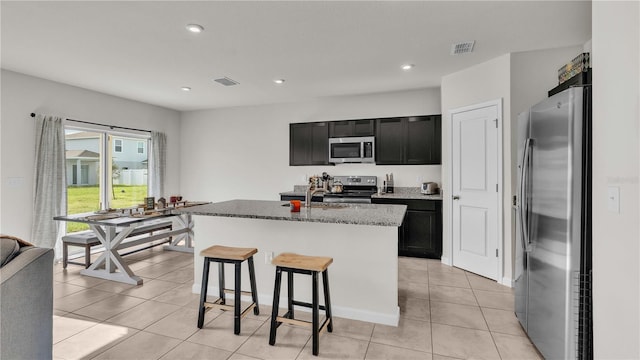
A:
339	311
506	281
445	260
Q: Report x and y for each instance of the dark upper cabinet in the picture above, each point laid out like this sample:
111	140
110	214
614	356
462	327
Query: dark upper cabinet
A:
414	140
423	145
309	144
351	128
420	234
390	135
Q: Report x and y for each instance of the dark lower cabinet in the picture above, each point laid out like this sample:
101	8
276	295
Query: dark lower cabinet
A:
421	232
300	197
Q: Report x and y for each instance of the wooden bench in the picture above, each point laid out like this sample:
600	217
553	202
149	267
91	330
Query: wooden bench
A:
88	239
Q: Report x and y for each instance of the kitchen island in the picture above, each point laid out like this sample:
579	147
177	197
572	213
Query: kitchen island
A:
361	238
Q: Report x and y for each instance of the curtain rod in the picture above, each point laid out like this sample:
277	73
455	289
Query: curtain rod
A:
109	126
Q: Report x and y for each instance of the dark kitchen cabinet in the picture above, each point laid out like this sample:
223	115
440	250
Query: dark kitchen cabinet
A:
349	128
423	145
309	144
314	198
421	232
414	140
389	141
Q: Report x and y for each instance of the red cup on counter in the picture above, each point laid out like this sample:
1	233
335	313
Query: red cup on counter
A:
295	205
173	199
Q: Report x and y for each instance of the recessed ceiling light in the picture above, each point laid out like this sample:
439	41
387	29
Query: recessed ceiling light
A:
185	88
407	67
195	28
279	81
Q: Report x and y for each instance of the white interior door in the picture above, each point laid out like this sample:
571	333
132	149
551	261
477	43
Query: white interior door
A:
475	184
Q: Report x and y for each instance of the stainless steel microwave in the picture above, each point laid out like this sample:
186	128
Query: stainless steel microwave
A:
352	150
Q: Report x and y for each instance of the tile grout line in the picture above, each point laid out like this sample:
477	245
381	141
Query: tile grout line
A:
366	351
433	349
485	319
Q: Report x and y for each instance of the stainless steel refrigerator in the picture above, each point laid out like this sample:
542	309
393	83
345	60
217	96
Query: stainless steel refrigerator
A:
553	225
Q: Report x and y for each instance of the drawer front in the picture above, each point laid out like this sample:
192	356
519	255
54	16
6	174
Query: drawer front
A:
300	197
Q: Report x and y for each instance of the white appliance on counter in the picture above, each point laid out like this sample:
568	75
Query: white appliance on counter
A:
429	188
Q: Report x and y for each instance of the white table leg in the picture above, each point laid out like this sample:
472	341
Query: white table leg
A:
186	222
110	258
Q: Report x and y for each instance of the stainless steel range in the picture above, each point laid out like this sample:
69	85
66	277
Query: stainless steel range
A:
355	189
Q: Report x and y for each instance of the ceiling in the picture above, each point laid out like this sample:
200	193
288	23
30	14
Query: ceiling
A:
141	50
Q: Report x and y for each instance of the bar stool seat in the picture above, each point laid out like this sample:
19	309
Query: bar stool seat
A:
302	262
228	255
308	265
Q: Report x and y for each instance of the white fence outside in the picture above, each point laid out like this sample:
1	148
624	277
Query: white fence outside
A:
131	177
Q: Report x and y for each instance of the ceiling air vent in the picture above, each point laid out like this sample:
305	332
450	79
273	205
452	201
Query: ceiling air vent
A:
226	81
462	47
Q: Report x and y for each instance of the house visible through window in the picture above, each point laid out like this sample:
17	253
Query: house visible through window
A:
104	171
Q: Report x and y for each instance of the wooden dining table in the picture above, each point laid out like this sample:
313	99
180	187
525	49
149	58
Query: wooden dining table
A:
112	228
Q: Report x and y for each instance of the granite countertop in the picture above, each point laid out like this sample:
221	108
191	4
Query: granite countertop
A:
412	193
357	214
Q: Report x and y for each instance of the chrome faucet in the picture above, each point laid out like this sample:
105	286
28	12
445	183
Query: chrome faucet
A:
309	194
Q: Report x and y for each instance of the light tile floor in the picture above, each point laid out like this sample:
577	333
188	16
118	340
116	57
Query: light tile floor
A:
446	313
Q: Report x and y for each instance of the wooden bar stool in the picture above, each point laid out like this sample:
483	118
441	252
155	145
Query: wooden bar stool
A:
228	255
309	265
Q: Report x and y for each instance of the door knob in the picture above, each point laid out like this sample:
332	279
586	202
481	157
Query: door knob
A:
456	197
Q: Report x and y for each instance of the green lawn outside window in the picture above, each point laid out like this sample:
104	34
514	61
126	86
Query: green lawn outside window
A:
81	199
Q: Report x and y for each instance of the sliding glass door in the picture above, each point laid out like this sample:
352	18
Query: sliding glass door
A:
105	169
128	171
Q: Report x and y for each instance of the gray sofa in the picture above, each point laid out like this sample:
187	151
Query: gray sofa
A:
26	300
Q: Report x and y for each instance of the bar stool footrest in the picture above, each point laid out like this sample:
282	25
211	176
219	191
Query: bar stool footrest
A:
231	291
307	305
224	307
284	319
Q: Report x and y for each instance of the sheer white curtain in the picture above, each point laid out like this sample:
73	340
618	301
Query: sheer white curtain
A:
158	164
50	182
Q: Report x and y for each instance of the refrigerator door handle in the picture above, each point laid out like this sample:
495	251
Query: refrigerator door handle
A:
524	173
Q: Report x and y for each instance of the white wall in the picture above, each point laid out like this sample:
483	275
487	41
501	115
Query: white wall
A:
483	82
533	74
520	80
243	152
616	163
22	95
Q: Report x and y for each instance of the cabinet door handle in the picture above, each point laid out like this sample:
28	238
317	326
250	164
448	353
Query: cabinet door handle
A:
455	197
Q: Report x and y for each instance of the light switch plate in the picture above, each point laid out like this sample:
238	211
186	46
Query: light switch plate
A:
613	199
15	182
